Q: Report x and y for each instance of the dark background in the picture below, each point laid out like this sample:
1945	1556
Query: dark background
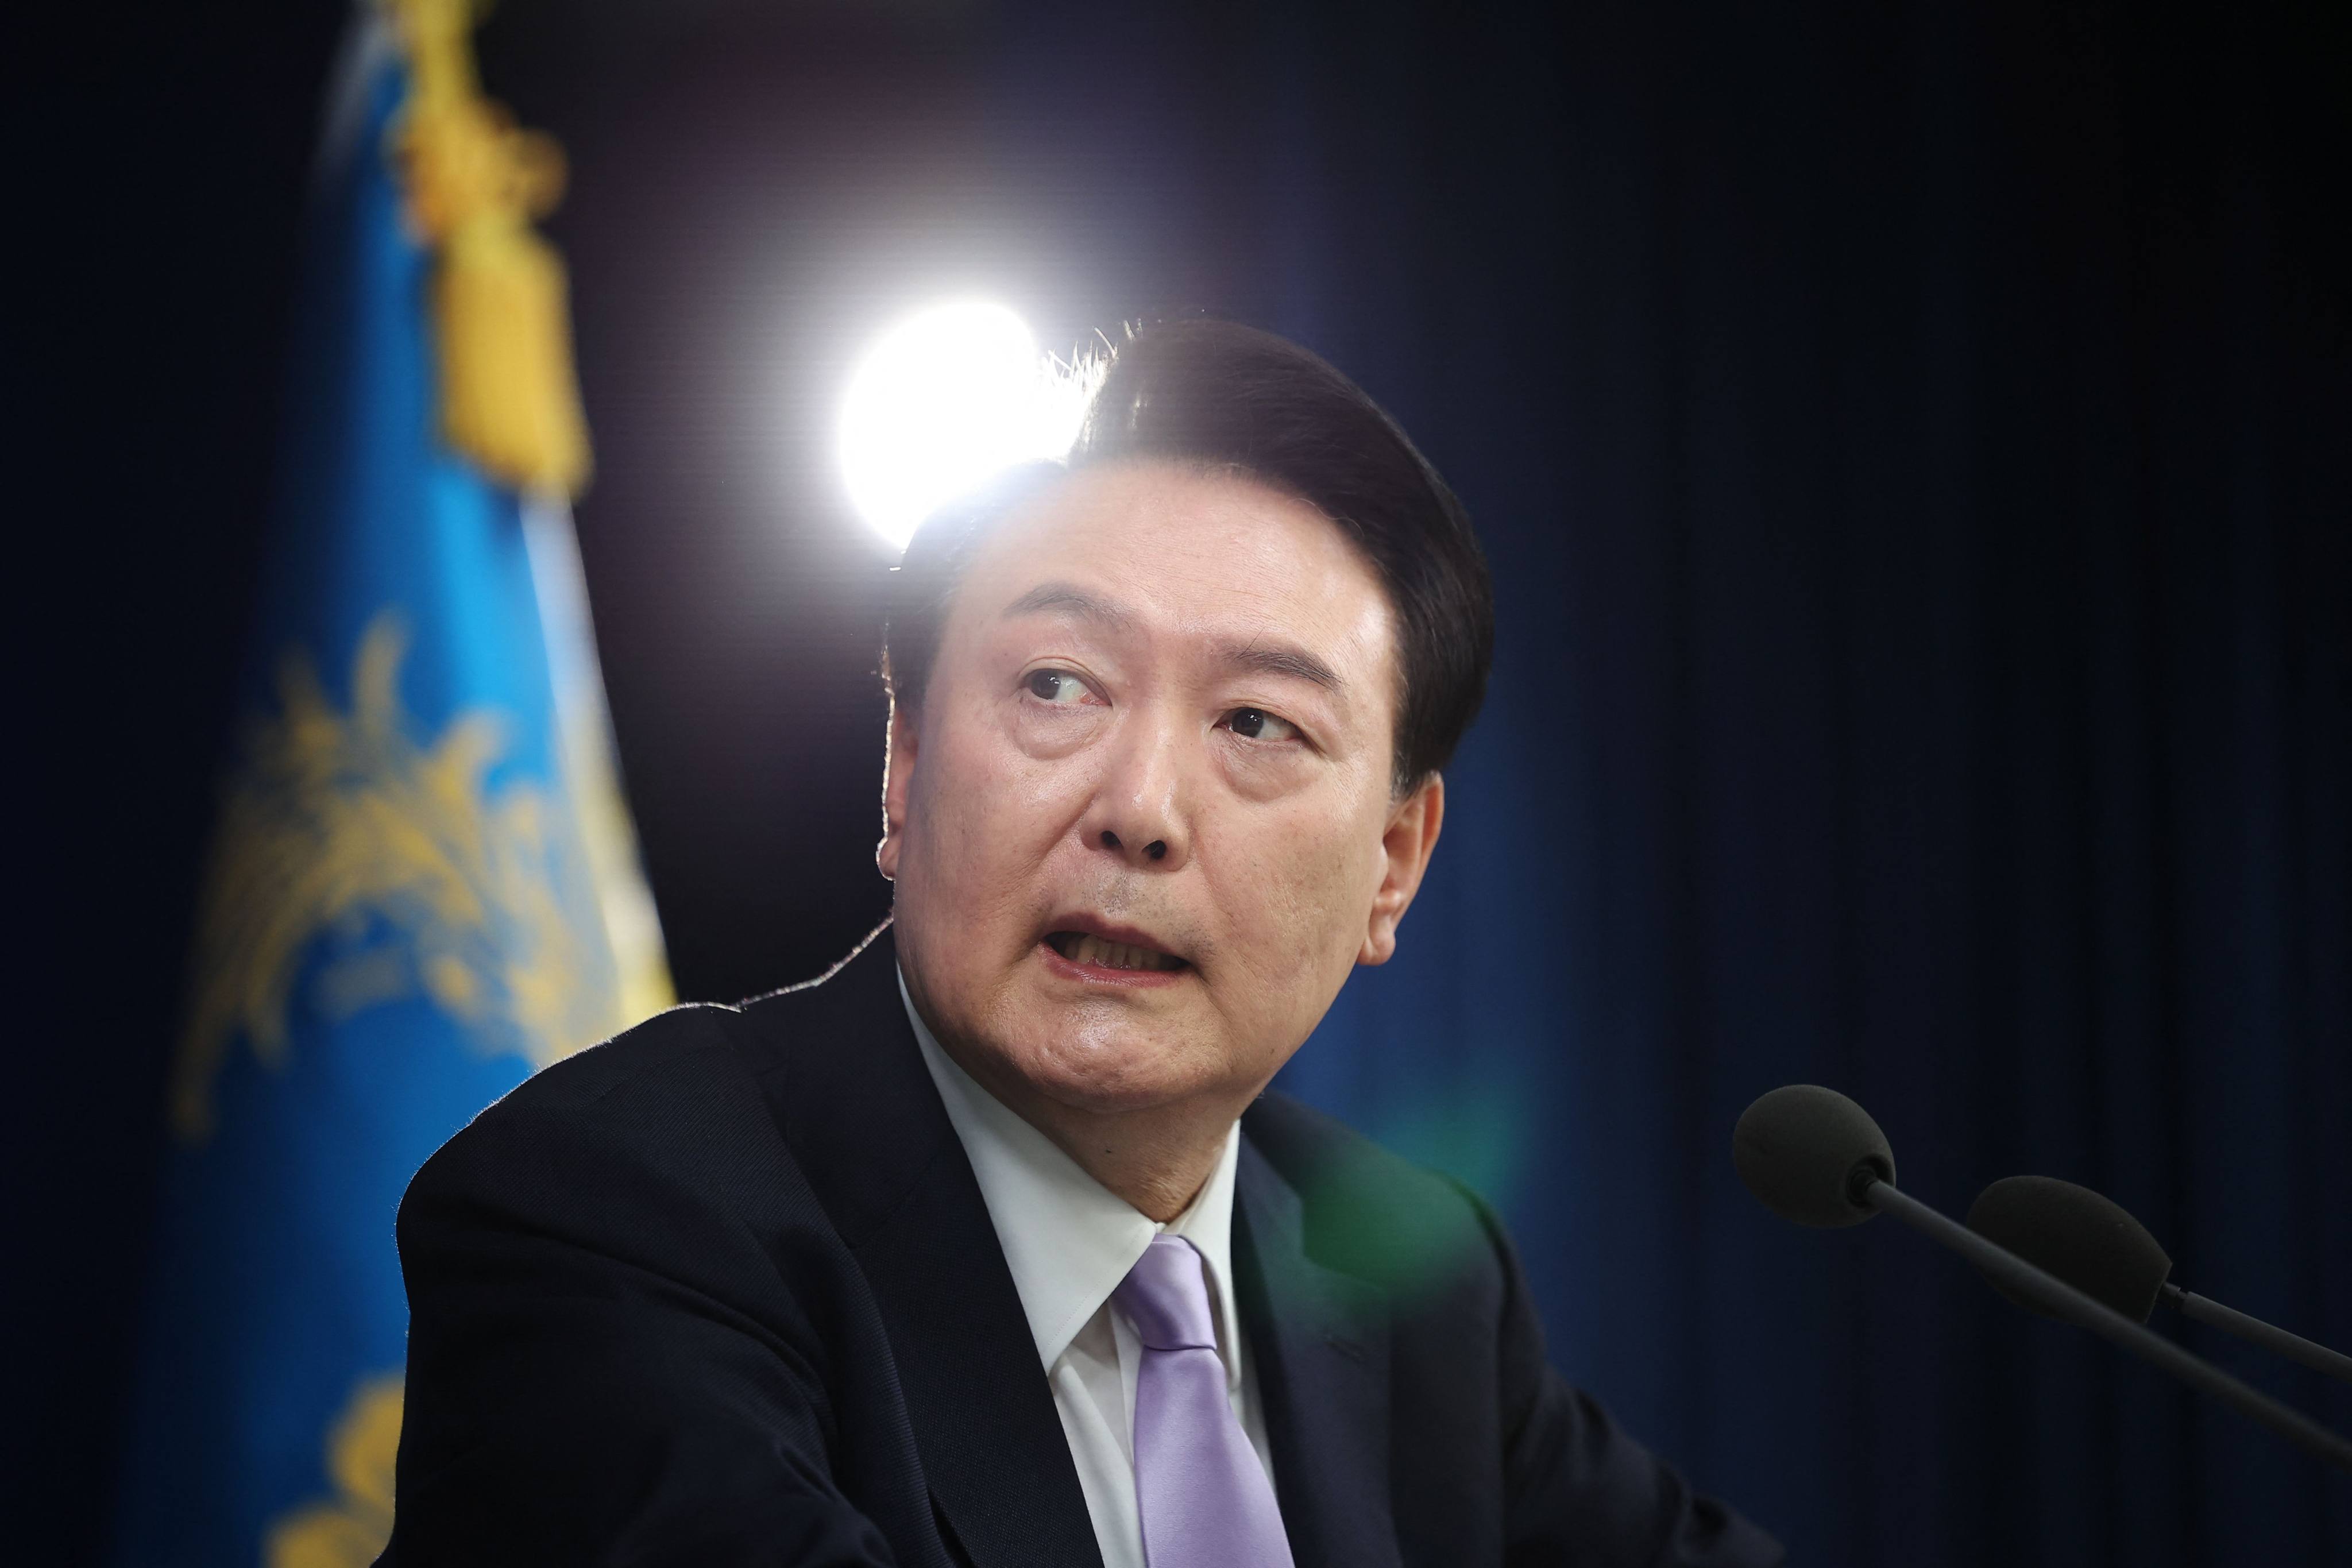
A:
1914	445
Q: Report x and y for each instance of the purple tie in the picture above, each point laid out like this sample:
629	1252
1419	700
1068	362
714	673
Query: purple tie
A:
1204	1498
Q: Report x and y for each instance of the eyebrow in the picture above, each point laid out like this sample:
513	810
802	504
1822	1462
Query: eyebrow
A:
1276	658
1280	658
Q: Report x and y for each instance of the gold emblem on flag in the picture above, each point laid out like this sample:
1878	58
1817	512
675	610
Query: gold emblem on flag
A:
351	1529
340	826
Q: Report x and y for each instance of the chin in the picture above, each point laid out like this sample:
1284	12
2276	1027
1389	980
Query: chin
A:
1115	1069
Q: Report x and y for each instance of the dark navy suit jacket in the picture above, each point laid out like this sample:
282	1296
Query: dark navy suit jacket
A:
724	1292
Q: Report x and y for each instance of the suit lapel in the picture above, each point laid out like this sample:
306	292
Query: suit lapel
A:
992	1442
1320	1340
866	1121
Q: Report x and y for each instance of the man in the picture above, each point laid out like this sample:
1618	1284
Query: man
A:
989	1248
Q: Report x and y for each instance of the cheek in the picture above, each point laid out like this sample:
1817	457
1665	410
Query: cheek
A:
981	819
1304	892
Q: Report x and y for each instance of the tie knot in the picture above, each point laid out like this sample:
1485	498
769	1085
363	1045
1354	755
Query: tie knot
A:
1166	1296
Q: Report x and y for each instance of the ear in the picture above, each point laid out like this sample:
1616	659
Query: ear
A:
1411	835
898	777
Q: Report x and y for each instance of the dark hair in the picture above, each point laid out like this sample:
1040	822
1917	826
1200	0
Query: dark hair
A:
1216	394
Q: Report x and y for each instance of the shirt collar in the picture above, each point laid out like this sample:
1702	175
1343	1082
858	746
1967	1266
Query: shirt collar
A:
1068	1240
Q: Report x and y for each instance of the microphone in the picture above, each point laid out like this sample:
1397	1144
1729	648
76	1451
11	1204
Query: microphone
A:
1811	1155
2093	1244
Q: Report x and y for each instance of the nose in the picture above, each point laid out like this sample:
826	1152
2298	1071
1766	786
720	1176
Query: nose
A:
1137	813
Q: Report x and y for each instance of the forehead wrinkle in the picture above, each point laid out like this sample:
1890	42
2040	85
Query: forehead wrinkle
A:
1069	599
1256	649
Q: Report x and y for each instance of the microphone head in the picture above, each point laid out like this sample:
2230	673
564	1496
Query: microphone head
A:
2086	1239
1798	1148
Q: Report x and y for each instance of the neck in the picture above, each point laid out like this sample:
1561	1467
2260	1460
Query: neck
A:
1155	1162
1156	1159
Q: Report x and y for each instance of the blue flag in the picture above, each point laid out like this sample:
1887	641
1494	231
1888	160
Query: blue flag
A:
422	884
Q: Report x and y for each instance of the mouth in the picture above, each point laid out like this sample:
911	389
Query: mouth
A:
1087	950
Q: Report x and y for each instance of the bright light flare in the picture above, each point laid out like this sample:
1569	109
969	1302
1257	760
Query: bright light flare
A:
941	401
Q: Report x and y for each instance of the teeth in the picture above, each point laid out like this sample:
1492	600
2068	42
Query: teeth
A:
1088	949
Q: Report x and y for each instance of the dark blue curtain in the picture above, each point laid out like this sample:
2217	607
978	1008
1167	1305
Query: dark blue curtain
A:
1918	475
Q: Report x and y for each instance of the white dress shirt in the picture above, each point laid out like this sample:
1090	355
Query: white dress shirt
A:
1069	1241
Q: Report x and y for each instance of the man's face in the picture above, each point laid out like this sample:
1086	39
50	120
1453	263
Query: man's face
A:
1142	827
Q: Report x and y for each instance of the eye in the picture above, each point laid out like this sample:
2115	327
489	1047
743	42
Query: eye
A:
1257	724
1057	686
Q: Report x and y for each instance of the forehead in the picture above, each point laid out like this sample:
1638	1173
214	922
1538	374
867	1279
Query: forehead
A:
1212	553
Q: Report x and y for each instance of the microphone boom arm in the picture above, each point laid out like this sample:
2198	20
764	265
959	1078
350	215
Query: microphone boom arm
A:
2061	1300
2230	1321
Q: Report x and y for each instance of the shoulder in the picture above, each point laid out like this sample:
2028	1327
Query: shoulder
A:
1371	1213
676	1046
687	1063
666	1110
691	1110
695	1076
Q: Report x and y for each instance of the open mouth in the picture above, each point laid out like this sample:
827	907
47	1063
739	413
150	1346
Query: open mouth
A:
1084	947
